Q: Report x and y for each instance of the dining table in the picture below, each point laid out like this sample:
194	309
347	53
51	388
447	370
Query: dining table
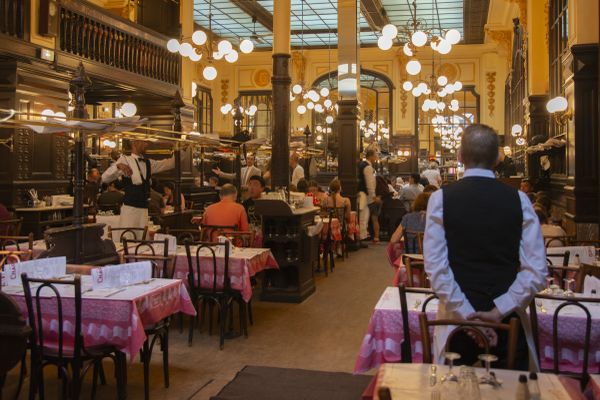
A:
384	337
412	381
114	317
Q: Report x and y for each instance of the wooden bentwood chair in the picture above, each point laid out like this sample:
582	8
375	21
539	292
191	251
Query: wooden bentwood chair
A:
71	357
470	326
218	294
157	252
406	347
127	233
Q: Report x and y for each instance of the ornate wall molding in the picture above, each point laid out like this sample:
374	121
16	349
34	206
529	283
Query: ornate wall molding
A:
491	92
504	39
224	91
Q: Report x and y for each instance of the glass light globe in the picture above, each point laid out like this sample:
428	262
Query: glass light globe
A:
246	46
363	123
194	89
419	38
313	95
310	105
128	109
425	107
301	109
453	36
199	37
253	109
384	43
223	109
442	93
60	116
232	56
520	141
217	55
324	92
209	73
329	119
47	113
319	108
195	57
372	126
319	137
224	46
297	89
407	86
449	88
557	104
319	128
186	49
422	87
292	98
516	130
444	47
173	45
413	67
390	31
441	106
328	130
442	80
416	92
458	86
454	103
407	50
327	103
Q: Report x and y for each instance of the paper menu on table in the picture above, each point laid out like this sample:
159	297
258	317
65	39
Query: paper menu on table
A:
591	283
42	268
172	243
115	276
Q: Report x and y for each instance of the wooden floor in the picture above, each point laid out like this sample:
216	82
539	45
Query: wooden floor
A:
323	333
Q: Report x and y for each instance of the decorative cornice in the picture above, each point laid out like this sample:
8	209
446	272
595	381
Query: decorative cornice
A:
504	39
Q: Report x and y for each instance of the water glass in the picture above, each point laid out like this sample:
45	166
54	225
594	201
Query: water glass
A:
568	291
487	359
450	356
549	283
469	384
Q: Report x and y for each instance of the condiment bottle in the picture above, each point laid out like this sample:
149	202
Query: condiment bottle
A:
522	389
534	387
433	375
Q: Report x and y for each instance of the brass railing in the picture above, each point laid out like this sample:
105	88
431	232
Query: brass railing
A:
91	33
13	17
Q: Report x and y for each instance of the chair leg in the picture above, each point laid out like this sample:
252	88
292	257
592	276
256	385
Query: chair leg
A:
332	257
22	373
211	306
250	317
121	375
95	378
146	363
101	373
191	329
180	322
164	341
243	320
222	320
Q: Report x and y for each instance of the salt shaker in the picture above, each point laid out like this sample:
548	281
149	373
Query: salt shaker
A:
433	375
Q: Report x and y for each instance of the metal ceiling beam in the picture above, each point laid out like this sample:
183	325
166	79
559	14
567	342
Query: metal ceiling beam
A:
322	31
255	10
374	13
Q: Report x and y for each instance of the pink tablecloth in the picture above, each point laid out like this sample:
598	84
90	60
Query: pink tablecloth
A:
593	389
244	263
384	335
118	320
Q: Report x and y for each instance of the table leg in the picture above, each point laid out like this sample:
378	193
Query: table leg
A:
121	374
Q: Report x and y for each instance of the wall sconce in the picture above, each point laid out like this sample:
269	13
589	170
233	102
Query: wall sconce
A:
516	130
559	108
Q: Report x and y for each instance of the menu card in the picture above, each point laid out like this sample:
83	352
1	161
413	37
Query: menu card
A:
116	276
172	243
42	268
221	249
591	283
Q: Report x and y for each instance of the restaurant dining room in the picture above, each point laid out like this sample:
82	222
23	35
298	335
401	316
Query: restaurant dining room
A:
300	199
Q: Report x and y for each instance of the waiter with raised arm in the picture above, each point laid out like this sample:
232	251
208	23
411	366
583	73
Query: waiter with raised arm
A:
136	172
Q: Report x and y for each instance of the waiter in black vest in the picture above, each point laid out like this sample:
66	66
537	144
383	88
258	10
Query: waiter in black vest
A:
483	245
136	173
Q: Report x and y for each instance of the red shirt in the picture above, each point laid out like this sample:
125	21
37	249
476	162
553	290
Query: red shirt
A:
226	213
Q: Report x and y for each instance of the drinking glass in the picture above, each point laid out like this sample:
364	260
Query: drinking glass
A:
469	384
568	291
487	359
450	356
549	283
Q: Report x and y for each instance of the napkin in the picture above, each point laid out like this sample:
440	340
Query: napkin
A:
116	276
42	268
591	283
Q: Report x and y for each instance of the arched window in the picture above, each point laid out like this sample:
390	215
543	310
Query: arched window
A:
375	101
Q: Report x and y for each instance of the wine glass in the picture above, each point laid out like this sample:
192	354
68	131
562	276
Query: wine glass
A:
487	378
549	283
450	356
568	291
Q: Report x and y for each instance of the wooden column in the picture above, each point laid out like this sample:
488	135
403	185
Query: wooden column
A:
281	81
538	125
177	104
348	82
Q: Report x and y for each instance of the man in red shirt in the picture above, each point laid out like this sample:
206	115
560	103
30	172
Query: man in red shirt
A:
226	212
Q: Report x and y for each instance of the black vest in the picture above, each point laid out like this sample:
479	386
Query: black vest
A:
483	222
138	195
362	182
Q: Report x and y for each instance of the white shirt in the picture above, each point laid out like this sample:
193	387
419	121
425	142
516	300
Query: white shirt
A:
112	173
370	181
453	302
297	175
247	172
433	177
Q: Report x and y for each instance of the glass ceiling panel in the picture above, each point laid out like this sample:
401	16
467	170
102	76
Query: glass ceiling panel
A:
446	14
229	21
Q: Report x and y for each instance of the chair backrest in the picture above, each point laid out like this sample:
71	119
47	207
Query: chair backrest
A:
566	255
240	238
209	233
470	326
14	256
567	302
406	347
585	270
11	227
18	242
195	261
557	241
130	233
413	241
183	235
155	251
14	332
50	306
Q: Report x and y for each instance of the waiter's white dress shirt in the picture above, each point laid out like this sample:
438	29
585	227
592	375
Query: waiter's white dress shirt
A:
453	302
297	174
112	173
